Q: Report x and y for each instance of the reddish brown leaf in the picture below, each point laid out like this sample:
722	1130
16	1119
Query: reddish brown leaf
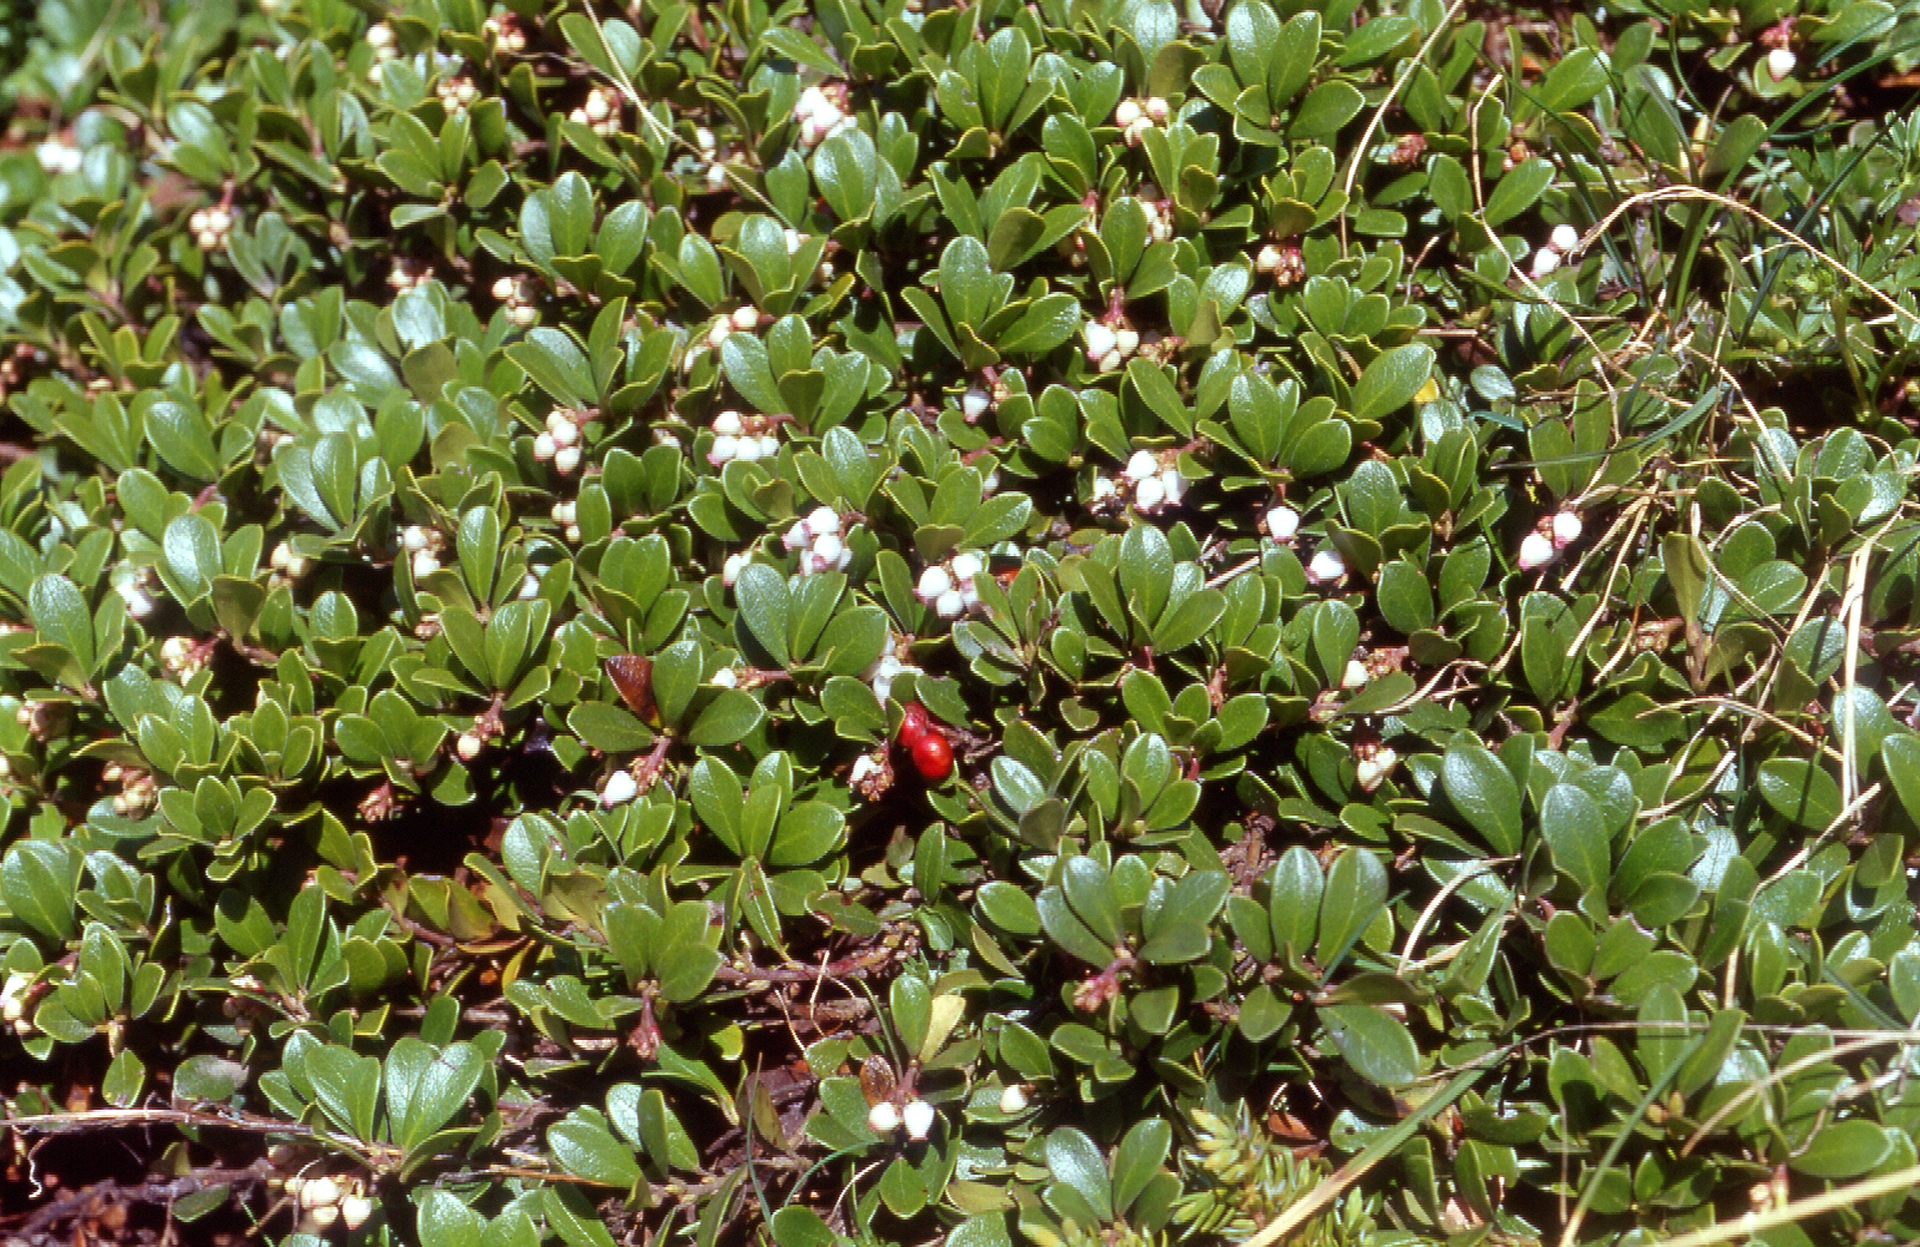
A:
633	676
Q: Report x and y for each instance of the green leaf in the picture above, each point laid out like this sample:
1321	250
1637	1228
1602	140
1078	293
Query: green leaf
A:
1356	888
762	594
1843	1149
1571	824
583	1145
1376	1044
60	614
1482	789
1391	380
1802	791
1518	189
1075	1162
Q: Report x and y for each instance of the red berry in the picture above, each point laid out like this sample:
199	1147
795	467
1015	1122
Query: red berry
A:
913	724
933	757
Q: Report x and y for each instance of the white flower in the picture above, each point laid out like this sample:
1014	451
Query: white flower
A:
827	549
13	1005
918	1117
1013	1100
1566	528
703	139
718	332
846	557
966	565
425	564
324	1216
529	587
380	35
728	424
565	512
1175	485
1100	340
468	747
1366	773
716	176
974	404
747	450
746	317
319	1192
354	1211
726	677
1536	551
823	520
799	535
1127	113
1282	523
1545	261
933	582
620	789
883	1118
544	447
566	459
58	157
1103	488
949	605
863	766
1111	361
1126	341
1149	493
1780	63
725	449
1156	108
1355	676
597	106
565	433
139	602
1142	465
769	446
1326	567
1564	238
1268	261
523	315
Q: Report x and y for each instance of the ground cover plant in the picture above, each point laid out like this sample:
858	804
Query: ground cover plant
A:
888	622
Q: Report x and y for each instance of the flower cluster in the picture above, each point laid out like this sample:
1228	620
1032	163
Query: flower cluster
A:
424	546
822	112
559	444
210	227
1283	262
1138	115
599	112
456	93
948	587
1152	482
743	437
325	1200
1550	536
820	539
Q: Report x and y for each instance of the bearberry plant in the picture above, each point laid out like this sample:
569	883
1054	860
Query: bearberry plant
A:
888	622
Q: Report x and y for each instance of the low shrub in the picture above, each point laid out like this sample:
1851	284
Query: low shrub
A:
1095	622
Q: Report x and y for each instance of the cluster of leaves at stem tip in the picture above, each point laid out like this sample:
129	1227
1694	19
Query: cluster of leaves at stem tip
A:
891	622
